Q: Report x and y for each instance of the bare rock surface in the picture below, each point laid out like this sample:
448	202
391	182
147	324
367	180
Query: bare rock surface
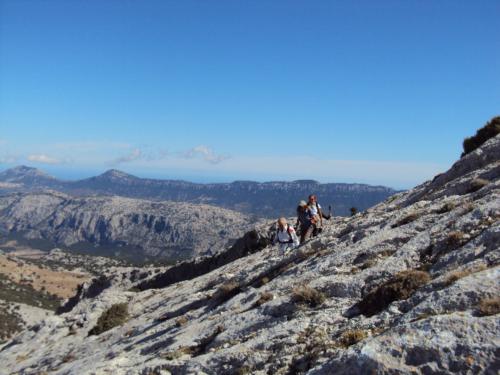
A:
133	229
408	286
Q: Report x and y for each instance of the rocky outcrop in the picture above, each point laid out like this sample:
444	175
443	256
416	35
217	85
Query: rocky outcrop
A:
408	286
133	229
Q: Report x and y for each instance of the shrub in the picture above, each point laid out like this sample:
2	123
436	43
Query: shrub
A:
114	316
454	239
181	321
489	306
304	294
490	130
353	210
227	291
351	337
447	207
264	297
477	184
407	219
401	286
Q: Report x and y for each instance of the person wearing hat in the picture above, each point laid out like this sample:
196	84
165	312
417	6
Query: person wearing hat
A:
305	221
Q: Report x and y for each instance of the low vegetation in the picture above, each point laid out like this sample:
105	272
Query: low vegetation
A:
11	291
306	295
407	219
10	322
115	316
400	287
489	306
455	239
351	337
490	130
477	184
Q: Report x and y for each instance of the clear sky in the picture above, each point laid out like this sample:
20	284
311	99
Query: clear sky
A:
379	92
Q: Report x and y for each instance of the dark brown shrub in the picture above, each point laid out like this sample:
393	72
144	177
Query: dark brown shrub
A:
227	291
264	297
181	321
477	184
407	219
489	306
304	294
447	207
401	286
454	239
351	337
114	316
490	130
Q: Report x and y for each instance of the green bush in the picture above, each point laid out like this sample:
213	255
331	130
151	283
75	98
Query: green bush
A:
491	129
114	316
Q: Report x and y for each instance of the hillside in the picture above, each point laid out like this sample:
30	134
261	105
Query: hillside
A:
133	229
265	200
408	286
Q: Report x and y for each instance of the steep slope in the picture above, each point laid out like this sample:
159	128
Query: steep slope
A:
268	199
408	286
130	228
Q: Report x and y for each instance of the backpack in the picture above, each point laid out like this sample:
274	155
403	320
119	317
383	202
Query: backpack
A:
290	239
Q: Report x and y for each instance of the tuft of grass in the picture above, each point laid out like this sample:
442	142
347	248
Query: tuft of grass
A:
454	239
489	306
477	184
304	294
407	219
115	316
227	291
351	337
490	130
264	297
454	276
400	287
181	321
447	207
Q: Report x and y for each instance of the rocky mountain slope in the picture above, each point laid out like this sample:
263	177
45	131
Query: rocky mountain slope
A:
132	229
408	286
268	199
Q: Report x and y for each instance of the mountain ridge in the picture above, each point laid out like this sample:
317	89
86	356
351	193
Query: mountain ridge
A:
264	199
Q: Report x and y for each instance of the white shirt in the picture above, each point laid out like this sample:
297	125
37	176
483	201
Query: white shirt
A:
313	208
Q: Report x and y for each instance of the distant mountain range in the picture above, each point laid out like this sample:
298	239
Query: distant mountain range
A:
267	199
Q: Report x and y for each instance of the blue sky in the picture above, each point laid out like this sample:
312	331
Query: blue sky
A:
379	92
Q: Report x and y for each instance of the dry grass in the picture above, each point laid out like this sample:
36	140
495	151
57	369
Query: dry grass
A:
454	276
455	239
447	207
407	219
70	357
400	287
306	295
264	297
181	321
351	337
489	306
226	291
477	184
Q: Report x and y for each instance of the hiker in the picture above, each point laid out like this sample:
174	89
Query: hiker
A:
305	221
286	236
318	213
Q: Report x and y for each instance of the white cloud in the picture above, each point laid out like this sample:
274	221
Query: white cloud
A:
206	153
133	155
8	159
42	158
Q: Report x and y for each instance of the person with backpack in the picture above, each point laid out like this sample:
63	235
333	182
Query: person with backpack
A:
304	221
318	213
286	236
